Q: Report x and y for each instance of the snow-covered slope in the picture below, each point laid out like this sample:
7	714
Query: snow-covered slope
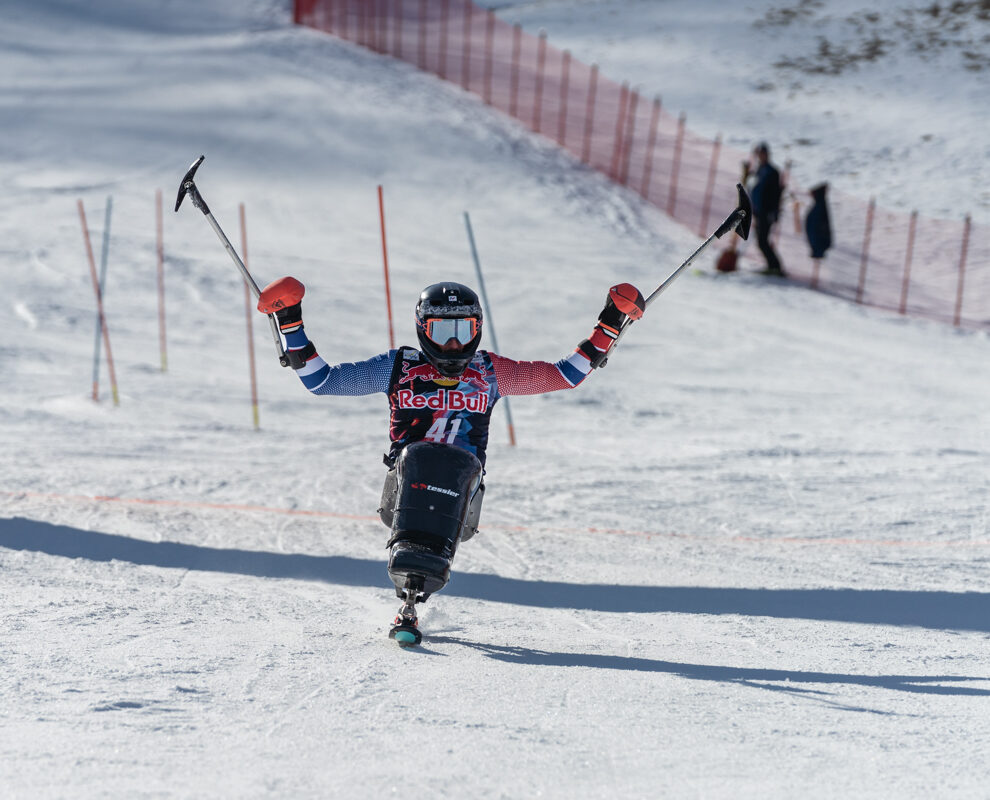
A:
748	558
884	100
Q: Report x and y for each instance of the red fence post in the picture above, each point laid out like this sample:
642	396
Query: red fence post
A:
444	19
620	120
383	27
421	56
541	60
957	318
710	188
398	28
564	80
466	52
907	261
864	260
676	165
489	46
589	114
344	8
650	146
514	76
629	140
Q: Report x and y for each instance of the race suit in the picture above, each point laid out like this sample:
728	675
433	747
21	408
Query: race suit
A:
427	406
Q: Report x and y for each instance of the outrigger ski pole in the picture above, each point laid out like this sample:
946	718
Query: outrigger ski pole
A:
739	221
188	186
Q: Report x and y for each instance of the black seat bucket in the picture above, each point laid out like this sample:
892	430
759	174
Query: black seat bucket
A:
435	486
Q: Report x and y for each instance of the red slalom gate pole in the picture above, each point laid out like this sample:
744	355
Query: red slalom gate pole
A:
162	340
388	290
905	285
564	80
957	318
710	188
99	309
675	166
650	146
865	258
589	114
249	313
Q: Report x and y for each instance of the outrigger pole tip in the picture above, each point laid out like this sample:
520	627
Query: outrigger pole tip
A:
187	182
740	219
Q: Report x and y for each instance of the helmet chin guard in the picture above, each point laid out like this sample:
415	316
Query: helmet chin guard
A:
448	301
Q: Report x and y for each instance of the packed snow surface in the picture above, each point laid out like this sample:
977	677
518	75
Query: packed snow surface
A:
747	559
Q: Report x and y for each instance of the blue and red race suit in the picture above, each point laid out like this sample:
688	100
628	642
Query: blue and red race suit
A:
426	405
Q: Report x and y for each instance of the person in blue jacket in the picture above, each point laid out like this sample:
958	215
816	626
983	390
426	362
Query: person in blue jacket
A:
817	225
765	195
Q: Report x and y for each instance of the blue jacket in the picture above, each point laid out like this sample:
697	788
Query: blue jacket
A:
817	225
765	195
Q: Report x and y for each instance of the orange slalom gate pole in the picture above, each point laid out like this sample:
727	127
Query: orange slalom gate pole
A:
388	290
249	313
162	346
99	308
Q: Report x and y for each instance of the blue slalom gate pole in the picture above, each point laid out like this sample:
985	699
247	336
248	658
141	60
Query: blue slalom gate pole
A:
488	315
103	283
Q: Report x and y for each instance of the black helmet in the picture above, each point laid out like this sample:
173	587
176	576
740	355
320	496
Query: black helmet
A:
448	324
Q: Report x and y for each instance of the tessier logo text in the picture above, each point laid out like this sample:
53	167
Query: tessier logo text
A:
444	400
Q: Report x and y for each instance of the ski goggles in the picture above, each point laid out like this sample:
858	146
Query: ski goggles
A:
441	330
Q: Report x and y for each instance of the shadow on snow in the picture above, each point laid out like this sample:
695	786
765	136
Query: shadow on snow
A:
782	680
926	609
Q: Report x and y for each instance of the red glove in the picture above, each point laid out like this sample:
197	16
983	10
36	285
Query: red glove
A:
283	298
624	303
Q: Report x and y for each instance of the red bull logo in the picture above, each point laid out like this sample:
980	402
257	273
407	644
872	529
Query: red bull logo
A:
444	400
474	377
423	372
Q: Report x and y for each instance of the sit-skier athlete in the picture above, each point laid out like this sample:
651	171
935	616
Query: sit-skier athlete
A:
441	397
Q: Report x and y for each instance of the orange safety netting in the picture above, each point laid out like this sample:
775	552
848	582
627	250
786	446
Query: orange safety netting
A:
893	260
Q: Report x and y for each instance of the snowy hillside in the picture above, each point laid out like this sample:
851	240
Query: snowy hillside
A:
885	99
746	559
